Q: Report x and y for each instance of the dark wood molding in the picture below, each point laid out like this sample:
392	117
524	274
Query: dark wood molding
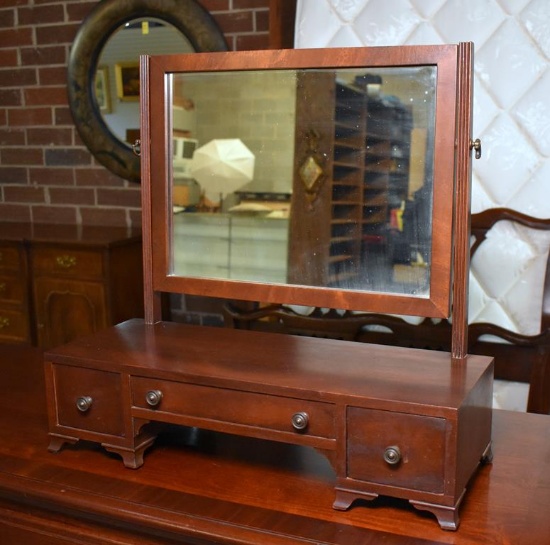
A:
282	20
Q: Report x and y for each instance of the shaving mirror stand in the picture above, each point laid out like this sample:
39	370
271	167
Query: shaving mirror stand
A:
399	422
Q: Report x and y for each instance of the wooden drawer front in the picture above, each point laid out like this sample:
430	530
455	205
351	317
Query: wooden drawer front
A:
103	388
67	262
10	258
420	440
14	325
68	309
12	289
233	406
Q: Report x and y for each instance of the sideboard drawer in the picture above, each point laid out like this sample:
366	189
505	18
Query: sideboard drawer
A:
418	442
14	326
10	258
88	399
12	289
67	262
236	407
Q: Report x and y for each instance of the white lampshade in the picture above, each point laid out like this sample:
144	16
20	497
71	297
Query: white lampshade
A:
222	166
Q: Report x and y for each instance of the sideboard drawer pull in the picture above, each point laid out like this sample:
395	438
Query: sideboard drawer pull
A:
153	397
84	403
2	286
66	261
4	322
392	455
300	421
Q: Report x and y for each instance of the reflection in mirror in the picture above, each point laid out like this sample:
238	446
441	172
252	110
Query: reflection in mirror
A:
117	92
312	177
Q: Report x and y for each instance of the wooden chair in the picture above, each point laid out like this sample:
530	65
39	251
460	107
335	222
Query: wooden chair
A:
521	358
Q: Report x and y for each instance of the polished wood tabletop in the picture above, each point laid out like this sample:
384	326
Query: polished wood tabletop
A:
202	487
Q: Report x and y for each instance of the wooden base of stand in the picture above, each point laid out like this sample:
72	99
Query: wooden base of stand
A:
399	422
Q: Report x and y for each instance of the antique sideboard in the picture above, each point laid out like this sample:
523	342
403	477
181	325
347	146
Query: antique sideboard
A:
58	282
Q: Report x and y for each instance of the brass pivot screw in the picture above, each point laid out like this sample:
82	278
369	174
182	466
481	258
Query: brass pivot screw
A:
476	145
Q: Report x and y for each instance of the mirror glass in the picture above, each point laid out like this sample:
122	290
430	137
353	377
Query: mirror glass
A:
315	177
117	76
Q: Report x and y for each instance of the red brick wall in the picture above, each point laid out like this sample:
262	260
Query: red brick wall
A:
46	173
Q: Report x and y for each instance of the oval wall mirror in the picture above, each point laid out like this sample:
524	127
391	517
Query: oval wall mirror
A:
103	65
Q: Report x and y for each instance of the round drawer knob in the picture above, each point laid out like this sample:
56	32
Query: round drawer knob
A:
300	421
392	455
83	403
153	397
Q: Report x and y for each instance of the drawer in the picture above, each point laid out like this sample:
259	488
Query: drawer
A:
419	440
88	399
67	262
10	258
12	289
14	325
235	407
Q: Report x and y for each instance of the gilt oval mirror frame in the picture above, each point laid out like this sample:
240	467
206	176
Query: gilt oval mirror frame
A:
187	16
451	178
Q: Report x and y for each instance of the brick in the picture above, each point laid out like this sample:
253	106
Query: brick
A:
215	5
251	4
7	18
79	10
63	116
21	156
128	198
56	75
49	137
261	21
67	157
14	3
30	117
235	22
72	195
250	42
13	175
15	37
39	15
54	214
15	212
24	194
12	137
98	177
46	55
135	218
56	34
51	176
53	96
103	216
10	97
8	57
18	77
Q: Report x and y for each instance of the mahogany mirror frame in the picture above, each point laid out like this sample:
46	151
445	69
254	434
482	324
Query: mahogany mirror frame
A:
451	192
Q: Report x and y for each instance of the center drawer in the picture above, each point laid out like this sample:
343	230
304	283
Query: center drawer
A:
284	414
